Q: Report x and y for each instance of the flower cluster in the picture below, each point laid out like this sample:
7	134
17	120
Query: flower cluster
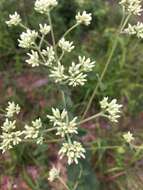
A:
66	45
62	123
65	127
135	30
128	137
44	6
73	151
58	73
27	39
33	131
111	109
33	58
77	73
53	174
44	29
14	20
12	109
10	136
49	55
84	18
132	6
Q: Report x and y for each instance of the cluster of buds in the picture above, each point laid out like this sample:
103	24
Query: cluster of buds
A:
77	73
111	109
10	136
132	6
33	131
135	30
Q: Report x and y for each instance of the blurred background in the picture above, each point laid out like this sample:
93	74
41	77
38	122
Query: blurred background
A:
23	169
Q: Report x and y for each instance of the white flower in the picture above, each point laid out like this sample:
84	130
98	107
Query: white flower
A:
44	6
8	125
130	30
62	123
57	116
57	73
66	45
30	132
132	6
111	109
76	76
34	59
128	137
9	140
44	29
27	39
12	109
86	64
53	174
33	132
50	54
73	152
14	19
37	123
135	29
84	18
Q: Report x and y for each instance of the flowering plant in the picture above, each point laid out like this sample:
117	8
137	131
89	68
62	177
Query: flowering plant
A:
41	53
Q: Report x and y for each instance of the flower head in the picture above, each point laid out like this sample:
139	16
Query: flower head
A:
27	38
49	54
44	6
111	109
84	18
73	151
34	59
57	73
12	109
62	123
66	45
53	174
76	75
44	29
86	64
8	125
135	30
9	140
14	20
33	131
132	6
128	137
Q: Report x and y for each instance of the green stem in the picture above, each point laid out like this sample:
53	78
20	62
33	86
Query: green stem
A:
122	25
41	41
64	184
69	30
52	34
90	118
60	58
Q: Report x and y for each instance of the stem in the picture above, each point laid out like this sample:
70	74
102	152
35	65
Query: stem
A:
67	119
39	51
64	184
69	30
60	58
52	34
41	41
51	129
122	25
90	118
